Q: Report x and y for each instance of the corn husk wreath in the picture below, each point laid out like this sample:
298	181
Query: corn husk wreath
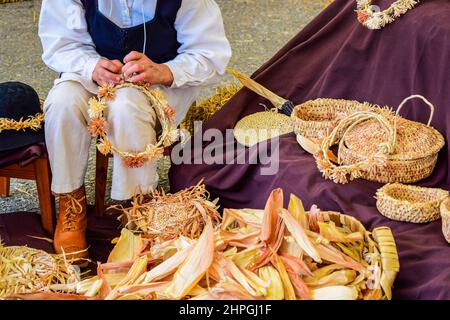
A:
378	146
377	20
26	270
410	203
98	125
313	119
445	215
161	217
274	253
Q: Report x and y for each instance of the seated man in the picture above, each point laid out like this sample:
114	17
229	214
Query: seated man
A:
179	45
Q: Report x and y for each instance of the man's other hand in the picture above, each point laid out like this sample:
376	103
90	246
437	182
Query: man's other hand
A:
107	72
139	68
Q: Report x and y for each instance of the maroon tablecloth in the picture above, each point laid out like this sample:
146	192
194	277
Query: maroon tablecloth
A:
334	56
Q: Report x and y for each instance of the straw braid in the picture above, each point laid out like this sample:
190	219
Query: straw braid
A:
33	123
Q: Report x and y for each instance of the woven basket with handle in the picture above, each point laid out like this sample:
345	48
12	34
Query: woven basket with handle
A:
445	214
410	203
381	147
379	251
314	119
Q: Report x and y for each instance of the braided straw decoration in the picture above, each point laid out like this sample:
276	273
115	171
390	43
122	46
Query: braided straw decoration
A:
410	203
381	162
337	172
380	251
33	123
445	214
98	125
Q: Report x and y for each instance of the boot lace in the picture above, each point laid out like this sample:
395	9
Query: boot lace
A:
73	211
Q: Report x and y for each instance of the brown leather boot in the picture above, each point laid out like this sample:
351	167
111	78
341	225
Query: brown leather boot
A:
70	234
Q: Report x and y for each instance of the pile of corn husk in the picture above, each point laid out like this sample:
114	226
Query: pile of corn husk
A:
272	254
162	216
25	270
203	109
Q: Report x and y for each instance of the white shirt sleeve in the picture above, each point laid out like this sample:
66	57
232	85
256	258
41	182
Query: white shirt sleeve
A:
205	50
66	42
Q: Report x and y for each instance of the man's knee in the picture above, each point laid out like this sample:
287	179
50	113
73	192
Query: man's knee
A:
130	104
67	99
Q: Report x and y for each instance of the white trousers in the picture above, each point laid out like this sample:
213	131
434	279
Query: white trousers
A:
132	125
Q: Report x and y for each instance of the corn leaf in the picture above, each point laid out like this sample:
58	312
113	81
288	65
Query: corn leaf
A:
128	247
275	290
335	293
298	211
195	266
298	233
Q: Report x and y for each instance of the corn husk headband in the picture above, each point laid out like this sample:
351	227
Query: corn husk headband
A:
32	122
98	125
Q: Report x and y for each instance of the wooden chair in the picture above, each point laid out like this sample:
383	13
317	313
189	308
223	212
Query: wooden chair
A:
38	170
101	175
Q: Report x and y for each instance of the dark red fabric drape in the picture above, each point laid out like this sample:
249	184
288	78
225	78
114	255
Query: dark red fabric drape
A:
335	57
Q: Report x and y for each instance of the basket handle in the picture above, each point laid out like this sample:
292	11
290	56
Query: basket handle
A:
338	172
400	107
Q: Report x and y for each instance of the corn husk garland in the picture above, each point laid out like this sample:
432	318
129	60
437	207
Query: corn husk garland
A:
32	122
161	216
274	253
98	125
27	270
374	20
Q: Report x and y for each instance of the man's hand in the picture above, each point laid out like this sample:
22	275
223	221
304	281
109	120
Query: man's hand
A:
107	72
145	70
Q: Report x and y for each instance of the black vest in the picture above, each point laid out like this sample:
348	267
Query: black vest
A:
113	42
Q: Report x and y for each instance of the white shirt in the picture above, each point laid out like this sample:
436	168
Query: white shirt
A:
68	47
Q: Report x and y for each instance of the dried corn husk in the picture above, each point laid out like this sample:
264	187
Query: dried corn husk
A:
160	216
335	293
203	109
275	290
253	254
194	267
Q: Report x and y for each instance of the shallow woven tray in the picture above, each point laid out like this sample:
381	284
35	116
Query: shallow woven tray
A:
314	119
261	126
378	245
408	203
445	214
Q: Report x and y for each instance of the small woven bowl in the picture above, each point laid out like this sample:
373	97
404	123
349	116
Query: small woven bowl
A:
408	203
445	214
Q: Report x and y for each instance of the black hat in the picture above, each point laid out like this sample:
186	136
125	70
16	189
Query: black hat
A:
18	101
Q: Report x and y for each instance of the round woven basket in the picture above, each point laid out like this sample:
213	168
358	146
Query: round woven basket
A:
261	126
407	203
379	250
445	214
382	147
315	119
